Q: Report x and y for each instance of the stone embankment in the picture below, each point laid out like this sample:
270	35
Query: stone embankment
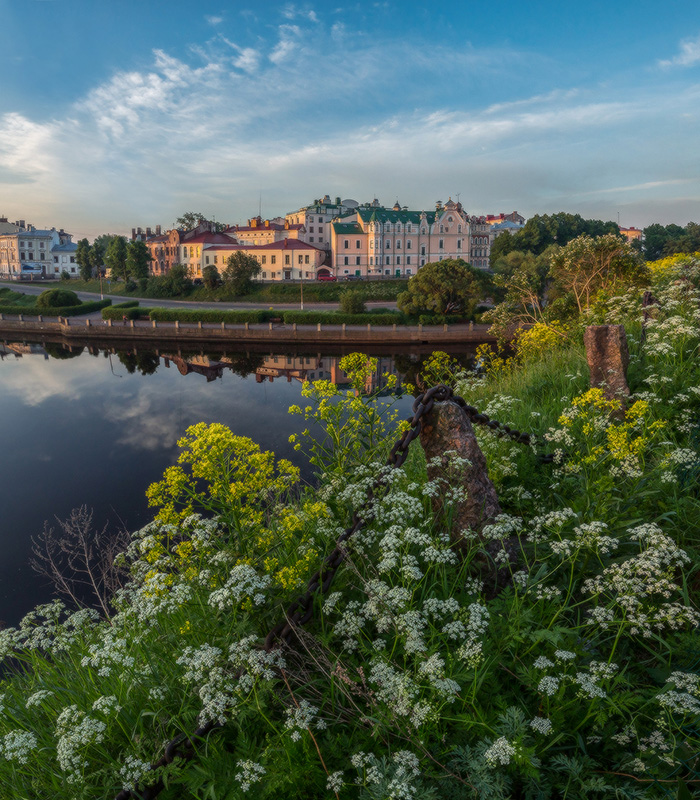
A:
132	331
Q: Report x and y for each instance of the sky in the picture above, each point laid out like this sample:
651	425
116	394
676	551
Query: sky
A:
116	114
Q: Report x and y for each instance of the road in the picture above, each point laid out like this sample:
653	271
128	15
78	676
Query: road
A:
29	288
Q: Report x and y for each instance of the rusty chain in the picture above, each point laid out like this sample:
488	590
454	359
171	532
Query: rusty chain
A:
301	610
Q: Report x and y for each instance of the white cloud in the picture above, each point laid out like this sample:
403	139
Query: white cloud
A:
288	44
214	20
688	55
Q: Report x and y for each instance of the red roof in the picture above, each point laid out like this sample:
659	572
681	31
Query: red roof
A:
209	238
282	244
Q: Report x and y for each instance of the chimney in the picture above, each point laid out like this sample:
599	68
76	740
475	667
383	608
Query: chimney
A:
133	234
158	230
148	232
337	201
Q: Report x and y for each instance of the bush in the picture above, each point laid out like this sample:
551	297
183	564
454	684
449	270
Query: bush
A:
338	318
57	298
62	311
65	275
126	304
211	315
352	302
130	312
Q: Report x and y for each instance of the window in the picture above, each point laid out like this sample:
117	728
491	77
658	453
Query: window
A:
311	238
387	272
346	244
216	259
459	229
311	229
388	244
442	229
408	244
31	256
449	219
301	258
371	244
408	272
264	259
206	258
345	260
55	259
422	230
42	245
21	255
264	274
346	271
306	260
357	244
408	259
441	244
64	259
387	261
357	261
371	261
459	244
286	258
398	259
408	228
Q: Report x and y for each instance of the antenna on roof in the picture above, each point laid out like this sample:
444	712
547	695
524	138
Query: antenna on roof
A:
260	205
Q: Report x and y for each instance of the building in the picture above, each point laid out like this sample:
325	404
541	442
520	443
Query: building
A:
263	231
317	218
191	249
377	241
632	234
284	260
141	235
34	253
497	219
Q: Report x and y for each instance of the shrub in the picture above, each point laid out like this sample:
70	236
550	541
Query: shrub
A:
352	302
130	312
211	315
338	318
65	275
57	298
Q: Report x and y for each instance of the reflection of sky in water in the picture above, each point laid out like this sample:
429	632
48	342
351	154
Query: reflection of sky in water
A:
84	431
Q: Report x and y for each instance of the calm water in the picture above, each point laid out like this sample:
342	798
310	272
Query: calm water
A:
96	428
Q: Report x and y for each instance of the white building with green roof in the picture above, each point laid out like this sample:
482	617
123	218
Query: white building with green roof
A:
375	241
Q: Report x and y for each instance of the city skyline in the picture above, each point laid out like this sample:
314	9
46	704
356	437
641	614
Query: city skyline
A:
127	114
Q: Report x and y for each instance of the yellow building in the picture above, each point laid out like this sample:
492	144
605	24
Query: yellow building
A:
284	260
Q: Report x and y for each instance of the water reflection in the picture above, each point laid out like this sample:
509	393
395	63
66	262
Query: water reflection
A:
92	426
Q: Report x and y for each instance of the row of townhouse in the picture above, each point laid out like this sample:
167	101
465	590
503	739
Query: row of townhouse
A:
27	252
335	239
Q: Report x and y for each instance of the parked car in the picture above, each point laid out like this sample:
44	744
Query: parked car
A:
327	278
353	278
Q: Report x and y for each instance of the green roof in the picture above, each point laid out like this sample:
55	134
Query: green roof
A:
380	214
347	227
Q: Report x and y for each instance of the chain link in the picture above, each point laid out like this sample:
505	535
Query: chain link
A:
300	611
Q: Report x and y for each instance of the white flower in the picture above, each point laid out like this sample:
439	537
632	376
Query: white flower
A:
541	725
17	746
250	773
500	752
548	685
132	771
37	697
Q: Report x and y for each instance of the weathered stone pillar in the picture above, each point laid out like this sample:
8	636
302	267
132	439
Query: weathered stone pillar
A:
447	427
608	358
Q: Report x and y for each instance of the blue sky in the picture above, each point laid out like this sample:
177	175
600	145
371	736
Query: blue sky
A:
115	113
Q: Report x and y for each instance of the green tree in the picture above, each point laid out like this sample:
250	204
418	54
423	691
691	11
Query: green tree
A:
82	258
137	260
189	220
587	265
239	272
96	258
352	302
450	286
543	230
656	237
116	257
211	277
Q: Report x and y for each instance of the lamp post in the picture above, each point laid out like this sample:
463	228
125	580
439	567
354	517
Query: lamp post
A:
301	278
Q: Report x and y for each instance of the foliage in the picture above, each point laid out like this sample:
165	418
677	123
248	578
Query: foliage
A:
115	258
449	286
137	260
211	277
239	272
54	298
96	259
82	259
660	240
352	302
339	318
130	312
65	275
543	230
411	680
176	283
586	266
209	315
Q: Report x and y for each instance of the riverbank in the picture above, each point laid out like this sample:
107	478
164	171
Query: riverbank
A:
93	327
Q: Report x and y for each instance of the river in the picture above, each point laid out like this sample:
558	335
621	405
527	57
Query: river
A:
93	427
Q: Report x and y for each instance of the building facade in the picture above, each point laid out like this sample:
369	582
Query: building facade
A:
317	218
33	253
284	260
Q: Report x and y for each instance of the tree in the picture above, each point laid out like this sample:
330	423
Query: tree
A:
116	257
211	277
450	286
82	258
585	266
97	255
239	272
189	220
352	302
137	260
543	230
105	239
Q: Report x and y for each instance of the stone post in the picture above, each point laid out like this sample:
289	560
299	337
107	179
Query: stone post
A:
447	427
608	358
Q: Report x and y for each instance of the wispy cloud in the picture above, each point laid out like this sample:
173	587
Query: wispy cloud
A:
214	20
688	54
